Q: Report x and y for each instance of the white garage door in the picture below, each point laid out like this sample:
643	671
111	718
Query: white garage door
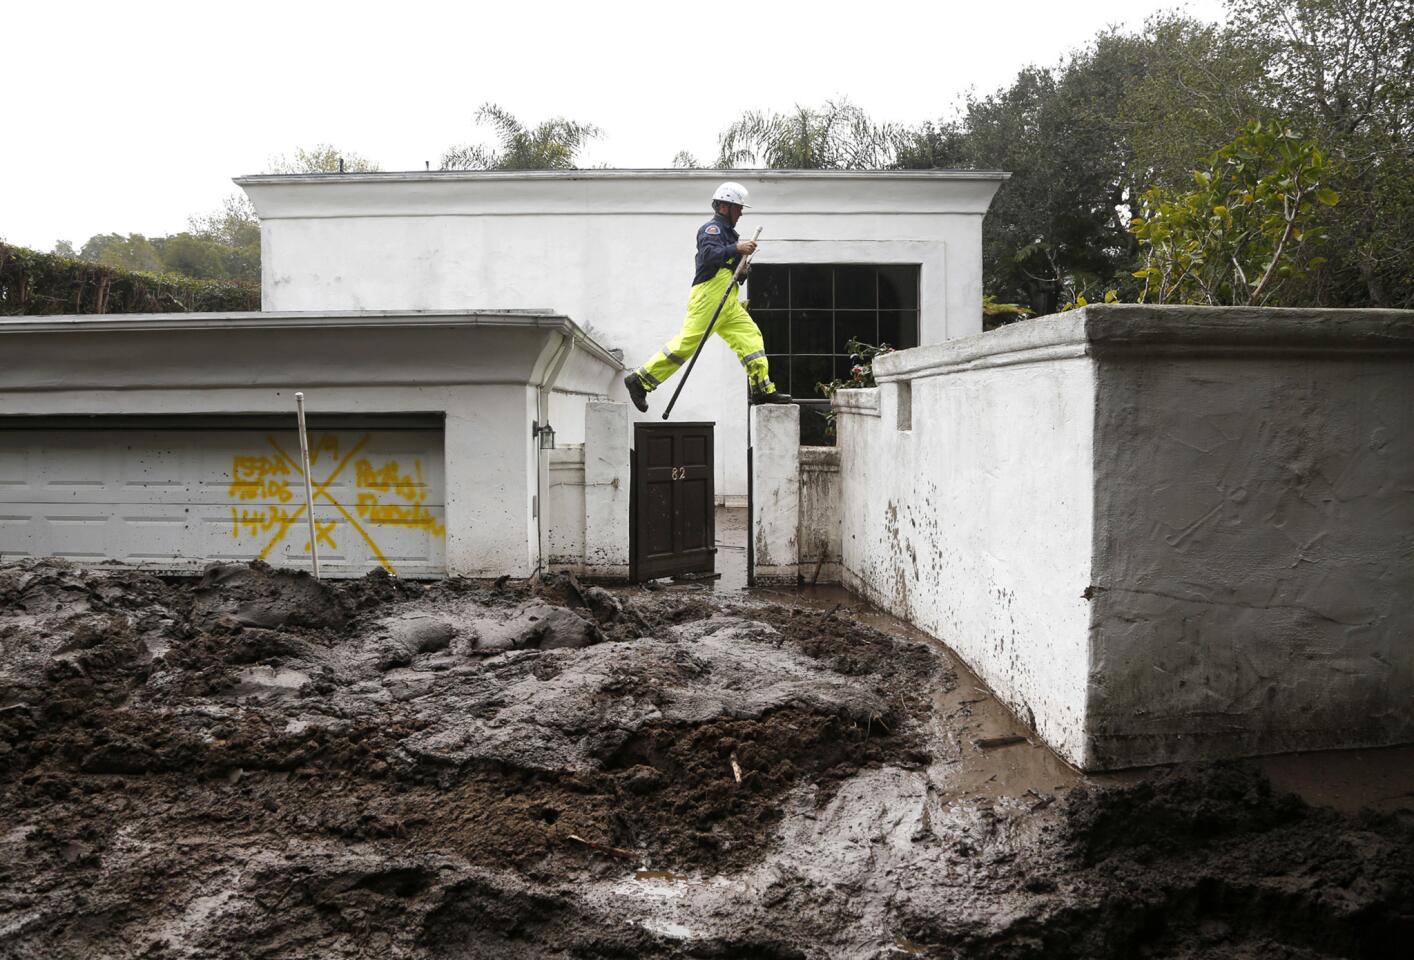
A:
174	494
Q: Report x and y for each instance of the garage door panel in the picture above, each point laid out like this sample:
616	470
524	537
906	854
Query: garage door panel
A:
67	530
15	474
84	466
178	498
152	467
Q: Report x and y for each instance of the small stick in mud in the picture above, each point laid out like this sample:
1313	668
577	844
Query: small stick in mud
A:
604	848
992	743
736	767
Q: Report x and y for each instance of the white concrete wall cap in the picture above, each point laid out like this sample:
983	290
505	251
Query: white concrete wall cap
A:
864	402
616	192
1110	328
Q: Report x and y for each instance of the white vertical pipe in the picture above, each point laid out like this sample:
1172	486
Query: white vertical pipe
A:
308	487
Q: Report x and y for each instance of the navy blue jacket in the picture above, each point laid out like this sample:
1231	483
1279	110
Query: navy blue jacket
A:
716	248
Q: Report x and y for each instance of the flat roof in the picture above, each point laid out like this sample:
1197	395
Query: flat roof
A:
648	173
301	320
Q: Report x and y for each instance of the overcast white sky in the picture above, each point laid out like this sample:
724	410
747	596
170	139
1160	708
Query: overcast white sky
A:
129	116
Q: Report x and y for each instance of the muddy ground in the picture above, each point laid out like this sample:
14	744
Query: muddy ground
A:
259	765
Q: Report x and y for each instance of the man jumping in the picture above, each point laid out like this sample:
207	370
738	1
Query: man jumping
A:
718	249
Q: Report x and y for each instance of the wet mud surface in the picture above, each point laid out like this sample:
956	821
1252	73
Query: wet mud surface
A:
259	765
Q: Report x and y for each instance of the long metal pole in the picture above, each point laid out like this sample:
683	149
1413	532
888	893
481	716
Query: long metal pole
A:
750	504
308	487
741	269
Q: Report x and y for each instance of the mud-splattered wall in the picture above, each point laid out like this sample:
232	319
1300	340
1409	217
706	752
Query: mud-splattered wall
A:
1157	533
974	525
587	497
775	492
820	497
1254	556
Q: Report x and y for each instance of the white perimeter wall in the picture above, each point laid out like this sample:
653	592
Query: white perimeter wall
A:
1254	555
974	523
613	250
1158	533
586	511
820	496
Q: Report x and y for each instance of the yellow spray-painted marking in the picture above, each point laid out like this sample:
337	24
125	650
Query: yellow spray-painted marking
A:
322	490
258	521
319	488
330	442
416	516
259	478
322	533
274	477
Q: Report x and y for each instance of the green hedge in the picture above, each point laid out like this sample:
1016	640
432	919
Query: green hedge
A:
33	283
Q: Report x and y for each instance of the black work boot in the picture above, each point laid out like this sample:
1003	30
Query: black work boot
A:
775	396
636	393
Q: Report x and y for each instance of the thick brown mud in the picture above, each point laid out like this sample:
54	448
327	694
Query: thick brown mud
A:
260	765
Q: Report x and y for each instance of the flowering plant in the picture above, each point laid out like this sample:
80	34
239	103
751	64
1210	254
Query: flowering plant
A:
861	374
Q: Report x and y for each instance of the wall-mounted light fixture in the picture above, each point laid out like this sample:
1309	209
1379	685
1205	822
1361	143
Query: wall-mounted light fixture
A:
544	433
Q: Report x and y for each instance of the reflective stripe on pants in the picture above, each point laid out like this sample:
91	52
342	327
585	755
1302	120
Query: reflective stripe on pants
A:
734	325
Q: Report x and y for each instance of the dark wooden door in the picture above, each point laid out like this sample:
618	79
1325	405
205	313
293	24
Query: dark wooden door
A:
672	525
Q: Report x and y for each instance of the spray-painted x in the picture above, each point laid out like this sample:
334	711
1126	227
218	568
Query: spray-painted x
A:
322	490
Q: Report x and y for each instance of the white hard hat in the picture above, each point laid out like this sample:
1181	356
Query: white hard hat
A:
731	192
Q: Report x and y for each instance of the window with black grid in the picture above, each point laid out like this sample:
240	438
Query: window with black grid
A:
807	312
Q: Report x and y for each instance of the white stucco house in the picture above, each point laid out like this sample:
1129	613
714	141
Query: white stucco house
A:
878	255
434	321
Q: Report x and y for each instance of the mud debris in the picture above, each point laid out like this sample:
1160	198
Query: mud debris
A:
256	764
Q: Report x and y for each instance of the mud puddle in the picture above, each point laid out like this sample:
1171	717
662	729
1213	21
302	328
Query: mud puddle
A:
259	765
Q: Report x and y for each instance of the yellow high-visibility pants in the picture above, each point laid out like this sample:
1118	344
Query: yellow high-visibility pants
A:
734	325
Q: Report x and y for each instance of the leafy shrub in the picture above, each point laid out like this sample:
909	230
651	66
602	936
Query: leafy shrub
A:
1237	237
861	374
44	284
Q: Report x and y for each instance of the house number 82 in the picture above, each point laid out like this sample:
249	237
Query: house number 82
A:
679	473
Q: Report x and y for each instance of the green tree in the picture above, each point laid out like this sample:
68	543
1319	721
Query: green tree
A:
321	158
1083	140
1201	82
837	136
231	235
133	252
1234	240
234	224
194	257
1055	223
64	248
550	145
1346	67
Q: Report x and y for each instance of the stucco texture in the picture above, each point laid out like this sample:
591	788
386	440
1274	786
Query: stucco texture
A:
1158	533
1255	555
613	249
974	525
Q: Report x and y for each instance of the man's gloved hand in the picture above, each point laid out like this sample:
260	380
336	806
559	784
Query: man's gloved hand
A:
746	247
